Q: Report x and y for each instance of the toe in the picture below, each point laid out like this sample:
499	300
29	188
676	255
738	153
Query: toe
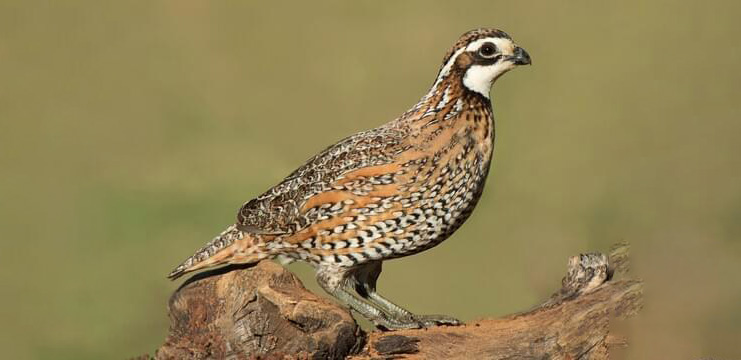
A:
437	320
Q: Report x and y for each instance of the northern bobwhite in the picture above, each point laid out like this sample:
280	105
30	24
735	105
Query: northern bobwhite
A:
380	194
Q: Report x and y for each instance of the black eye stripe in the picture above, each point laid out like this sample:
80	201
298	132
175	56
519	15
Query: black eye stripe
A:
489	61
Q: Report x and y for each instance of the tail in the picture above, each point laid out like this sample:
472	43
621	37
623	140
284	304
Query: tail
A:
221	250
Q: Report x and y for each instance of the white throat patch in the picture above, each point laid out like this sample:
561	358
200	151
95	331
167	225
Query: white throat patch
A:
479	78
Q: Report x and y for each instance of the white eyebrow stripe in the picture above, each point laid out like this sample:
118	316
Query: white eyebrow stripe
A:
501	43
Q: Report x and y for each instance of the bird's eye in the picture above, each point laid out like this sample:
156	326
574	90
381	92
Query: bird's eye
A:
488	51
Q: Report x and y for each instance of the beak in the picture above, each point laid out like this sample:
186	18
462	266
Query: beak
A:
520	57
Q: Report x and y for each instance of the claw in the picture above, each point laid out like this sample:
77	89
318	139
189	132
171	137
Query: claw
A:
436	320
416	322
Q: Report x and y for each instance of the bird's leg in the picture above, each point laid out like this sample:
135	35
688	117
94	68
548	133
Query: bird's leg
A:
365	285
334	283
364	281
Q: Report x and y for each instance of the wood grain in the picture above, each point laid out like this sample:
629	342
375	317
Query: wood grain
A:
265	312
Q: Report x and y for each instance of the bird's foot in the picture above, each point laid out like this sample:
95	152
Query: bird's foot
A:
426	321
388	323
416	322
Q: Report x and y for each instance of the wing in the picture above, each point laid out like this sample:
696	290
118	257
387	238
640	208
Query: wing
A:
281	210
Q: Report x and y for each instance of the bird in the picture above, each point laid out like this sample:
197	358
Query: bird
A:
380	194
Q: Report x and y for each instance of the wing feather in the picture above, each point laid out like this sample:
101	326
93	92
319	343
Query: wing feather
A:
279	210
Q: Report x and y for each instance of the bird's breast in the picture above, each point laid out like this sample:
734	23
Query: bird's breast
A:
401	208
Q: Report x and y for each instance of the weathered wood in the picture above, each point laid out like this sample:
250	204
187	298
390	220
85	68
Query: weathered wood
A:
257	311
572	324
265	311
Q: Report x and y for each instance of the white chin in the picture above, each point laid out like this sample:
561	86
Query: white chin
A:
479	78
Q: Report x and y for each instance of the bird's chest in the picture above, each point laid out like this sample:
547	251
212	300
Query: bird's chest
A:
449	195
446	186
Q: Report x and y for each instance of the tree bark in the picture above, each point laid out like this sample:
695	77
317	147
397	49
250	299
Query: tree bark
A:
265	312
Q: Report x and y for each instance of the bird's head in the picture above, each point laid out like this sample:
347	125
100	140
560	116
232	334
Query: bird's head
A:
481	56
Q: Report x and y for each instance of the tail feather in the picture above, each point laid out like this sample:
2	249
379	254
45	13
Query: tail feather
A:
211	254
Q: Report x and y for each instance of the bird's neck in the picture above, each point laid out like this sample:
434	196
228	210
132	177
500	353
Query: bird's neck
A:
449	113
446	99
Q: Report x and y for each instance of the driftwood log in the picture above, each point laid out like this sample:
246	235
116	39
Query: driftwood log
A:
264	312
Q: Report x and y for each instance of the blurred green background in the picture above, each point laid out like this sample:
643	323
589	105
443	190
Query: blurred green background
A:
131	132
